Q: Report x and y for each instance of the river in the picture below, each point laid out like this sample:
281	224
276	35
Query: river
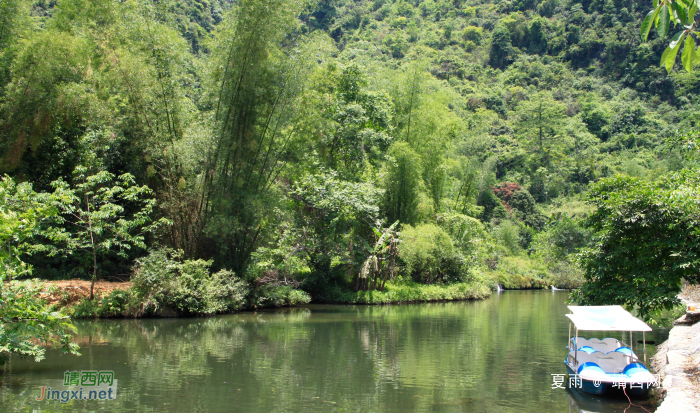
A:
495	355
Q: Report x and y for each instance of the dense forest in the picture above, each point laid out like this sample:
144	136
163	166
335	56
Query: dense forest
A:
268	152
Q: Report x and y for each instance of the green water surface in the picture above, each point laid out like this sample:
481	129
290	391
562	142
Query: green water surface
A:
496	355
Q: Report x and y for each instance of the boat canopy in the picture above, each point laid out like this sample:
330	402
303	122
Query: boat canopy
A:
605	318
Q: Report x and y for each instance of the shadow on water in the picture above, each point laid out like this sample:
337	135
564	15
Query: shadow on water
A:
580	402
496	355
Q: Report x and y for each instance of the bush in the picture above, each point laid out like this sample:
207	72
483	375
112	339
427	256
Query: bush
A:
507	235
565	274
278	296
429	255
411	292
86	308
115	304
562	238
520	273
162	279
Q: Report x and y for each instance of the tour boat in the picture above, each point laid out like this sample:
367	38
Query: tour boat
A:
606	366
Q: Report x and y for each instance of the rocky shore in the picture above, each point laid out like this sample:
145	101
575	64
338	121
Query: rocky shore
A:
678	360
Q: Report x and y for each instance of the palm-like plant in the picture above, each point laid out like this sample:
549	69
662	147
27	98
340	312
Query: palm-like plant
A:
380	265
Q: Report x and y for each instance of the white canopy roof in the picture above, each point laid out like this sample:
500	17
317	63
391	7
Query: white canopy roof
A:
605	318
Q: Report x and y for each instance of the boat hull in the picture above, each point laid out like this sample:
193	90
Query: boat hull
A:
607	389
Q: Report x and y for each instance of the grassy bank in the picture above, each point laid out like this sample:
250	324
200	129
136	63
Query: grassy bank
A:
126	302
172	296
410	292
123	300
522	273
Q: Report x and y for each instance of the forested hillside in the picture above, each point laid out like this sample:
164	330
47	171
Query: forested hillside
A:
334	146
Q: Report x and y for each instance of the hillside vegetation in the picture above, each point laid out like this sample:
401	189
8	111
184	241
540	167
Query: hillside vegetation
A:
338	147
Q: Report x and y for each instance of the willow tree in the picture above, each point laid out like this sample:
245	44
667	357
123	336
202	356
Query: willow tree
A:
262	68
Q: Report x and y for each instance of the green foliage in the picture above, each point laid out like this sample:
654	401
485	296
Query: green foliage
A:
277	296
562	237
565	274
430	256
85	308
411	292
22	214
681	14
501	54
260	81
507	236
116	304
540	122
380	265
95	215
403	184
520	273
163	280
27	322
646	242
276	135
466	232
473	33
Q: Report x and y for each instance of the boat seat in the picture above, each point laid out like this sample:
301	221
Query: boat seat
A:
584	357
578	341
605	345
600	345
613	343
624	350
613	362
587	349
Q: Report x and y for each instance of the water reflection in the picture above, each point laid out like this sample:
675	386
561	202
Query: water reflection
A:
495	355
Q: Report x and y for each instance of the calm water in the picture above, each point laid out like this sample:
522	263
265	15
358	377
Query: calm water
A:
495	355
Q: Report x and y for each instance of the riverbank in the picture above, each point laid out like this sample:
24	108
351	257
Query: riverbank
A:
410	292
677	361
118	299
125	299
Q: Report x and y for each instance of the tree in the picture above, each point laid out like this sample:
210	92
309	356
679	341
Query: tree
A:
14	17
403	183
380	264
102	214
540	121
263	72
680	13
337	215
22	211
26	321
501	54
647	239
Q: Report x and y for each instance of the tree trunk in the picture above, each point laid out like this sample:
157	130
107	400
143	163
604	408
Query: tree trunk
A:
94	272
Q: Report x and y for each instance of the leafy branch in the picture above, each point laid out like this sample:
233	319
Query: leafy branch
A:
682	13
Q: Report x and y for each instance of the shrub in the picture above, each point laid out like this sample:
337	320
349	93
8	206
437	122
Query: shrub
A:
429	255
278	296
115	304
507	235
86	308
412	292
162	279
562	238
520	273
565	274
473	34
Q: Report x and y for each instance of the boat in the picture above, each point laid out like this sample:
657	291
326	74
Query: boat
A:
607	366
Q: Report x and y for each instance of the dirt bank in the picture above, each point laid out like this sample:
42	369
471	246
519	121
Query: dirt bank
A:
69	292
